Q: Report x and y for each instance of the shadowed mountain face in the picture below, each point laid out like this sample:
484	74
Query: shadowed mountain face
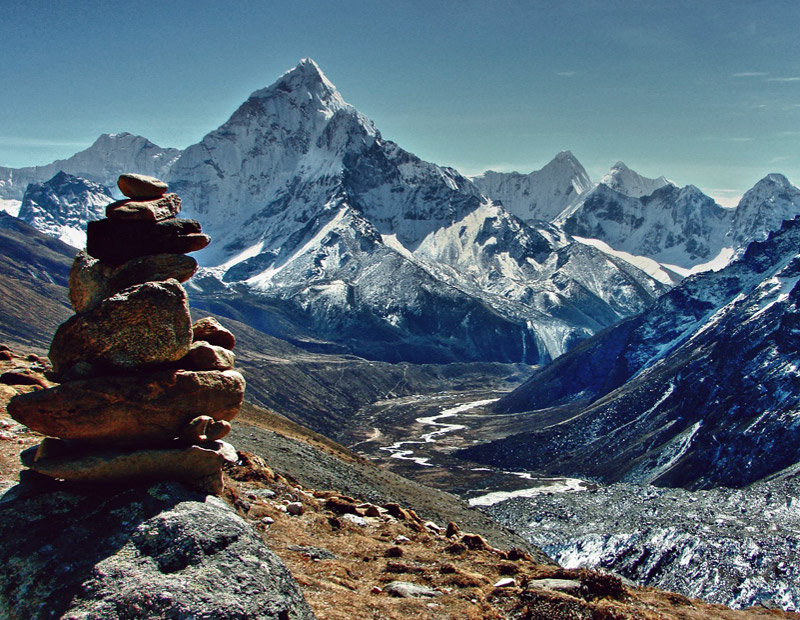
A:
701	390
34	269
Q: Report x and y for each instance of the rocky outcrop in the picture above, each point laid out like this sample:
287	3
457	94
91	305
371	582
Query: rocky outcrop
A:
143	394
156	553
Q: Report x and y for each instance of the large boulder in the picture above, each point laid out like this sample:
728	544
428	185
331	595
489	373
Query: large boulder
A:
130	408
142	325
91	281
140	554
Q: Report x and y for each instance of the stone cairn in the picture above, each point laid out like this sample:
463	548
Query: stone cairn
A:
144	394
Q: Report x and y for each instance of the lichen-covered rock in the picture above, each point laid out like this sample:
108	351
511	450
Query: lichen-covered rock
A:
154	210
141	186
91	281
211	331
136	408
117	241
142	325
65	460
139	554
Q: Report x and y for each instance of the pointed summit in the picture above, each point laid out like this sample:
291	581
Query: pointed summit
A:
763	207
306	81
540	195
630	183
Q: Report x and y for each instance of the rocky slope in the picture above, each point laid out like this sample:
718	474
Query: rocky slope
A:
681	227
698	391
33	274
736	547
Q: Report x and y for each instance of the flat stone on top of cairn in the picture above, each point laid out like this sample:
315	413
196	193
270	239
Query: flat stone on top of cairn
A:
145	394
153	210
141	186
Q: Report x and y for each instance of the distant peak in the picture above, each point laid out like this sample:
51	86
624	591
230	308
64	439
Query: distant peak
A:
566	156
620	165
60	177
774	178
304	79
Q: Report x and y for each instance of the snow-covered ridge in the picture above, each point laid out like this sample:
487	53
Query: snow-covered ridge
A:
539	195
357	240
63	206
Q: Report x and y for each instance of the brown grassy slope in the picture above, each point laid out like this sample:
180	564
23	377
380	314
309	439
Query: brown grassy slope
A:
344	564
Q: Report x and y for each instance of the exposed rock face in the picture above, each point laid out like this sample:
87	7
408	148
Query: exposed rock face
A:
143	325
62	207
699	391
162	552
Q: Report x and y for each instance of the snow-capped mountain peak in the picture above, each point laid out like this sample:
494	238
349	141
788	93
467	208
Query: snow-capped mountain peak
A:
305	81
108	157
542	194
62	206
630	183
762	209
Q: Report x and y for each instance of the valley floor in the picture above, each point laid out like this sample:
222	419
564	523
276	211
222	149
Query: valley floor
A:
351	532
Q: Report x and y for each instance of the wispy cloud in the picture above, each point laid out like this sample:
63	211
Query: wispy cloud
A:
19	142
784	79
565	73
744	74
725	196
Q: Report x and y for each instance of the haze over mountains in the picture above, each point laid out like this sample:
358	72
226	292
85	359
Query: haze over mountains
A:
350	240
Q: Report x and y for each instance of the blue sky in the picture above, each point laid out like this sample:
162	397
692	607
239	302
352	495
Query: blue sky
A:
705	92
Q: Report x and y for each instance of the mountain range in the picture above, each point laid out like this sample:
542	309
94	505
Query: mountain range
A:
698	391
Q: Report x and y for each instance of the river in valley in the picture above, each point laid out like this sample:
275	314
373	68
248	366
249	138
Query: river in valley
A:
416	436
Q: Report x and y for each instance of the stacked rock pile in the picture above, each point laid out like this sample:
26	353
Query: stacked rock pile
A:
144	393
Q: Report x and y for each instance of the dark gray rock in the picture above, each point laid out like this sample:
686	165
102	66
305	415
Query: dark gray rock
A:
149	553
118	241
